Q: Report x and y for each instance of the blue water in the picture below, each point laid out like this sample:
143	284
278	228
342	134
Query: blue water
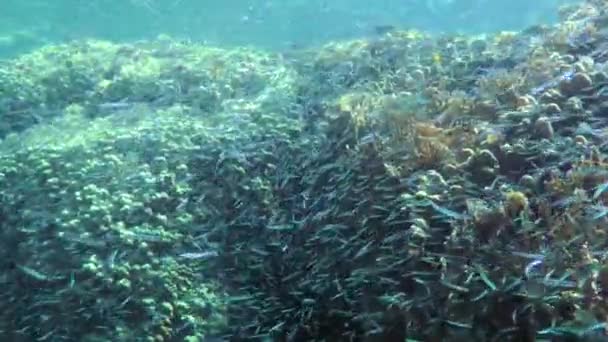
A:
264	23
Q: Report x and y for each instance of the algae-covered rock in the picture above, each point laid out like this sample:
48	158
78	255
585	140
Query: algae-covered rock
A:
104	201
106	78
89	259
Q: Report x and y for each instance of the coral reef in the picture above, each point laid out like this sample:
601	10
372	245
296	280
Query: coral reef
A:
405	186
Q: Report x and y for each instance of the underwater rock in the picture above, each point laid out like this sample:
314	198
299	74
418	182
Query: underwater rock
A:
508	97
602	278
551	96
478	46
570	86
525	101
574	105
450	170
580	140
488	220
482	165
418	75
543	128
601	110
551	108
599	77
568	59
486	109
528	182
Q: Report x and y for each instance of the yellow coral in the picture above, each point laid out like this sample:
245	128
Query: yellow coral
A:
515	203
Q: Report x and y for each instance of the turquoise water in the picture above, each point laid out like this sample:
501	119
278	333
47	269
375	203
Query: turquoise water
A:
270	24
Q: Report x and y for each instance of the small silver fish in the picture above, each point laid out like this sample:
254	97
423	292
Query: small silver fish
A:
531	266
114	106
199	255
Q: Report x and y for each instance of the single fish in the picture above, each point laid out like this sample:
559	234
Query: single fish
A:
199	255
